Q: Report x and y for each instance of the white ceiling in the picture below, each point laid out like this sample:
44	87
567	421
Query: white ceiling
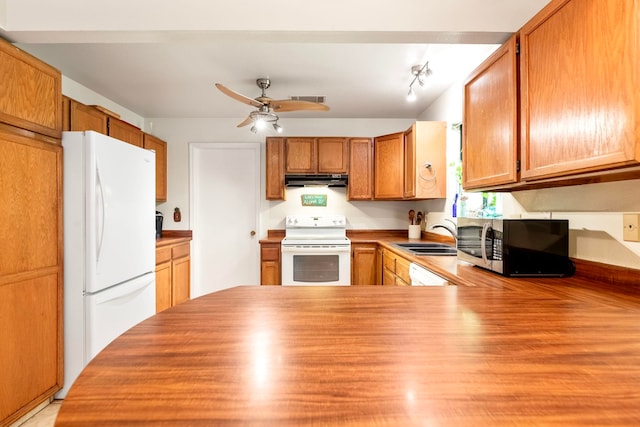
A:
162	61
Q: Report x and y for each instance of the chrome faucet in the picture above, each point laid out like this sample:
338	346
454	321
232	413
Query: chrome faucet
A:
451	229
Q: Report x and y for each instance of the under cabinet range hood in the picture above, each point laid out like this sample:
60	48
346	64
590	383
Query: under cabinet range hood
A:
331	180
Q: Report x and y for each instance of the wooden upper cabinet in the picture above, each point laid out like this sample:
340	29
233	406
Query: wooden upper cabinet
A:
317	155
360	185
389	166
124	131
274	169
31	92
301	155
411	164
425	160
579	65
333	155
150	142
490	124
84	117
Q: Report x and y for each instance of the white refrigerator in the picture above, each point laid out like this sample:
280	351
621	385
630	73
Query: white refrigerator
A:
109	244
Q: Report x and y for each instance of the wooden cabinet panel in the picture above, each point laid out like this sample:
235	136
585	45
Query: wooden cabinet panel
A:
150	142
402	269
84	117
30	271
333	155
490	124
580	110
270	263
425	164
124	131
301	155
395	269
31	92
275	169
363	263
180	280
163	286
360	185
30	337
389	166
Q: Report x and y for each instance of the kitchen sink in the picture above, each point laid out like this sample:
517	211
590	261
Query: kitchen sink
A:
428	249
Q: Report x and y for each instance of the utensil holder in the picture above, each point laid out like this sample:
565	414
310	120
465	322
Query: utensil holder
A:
414	231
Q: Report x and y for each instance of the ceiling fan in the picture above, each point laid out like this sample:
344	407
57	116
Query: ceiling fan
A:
268	107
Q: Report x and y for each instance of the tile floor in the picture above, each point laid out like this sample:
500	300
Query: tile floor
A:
46	417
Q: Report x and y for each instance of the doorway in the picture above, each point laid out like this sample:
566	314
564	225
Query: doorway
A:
225	195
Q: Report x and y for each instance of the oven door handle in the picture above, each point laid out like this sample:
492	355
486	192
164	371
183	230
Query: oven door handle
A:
314	249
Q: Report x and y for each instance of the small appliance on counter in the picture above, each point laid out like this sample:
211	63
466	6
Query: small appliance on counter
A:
516	247
159	219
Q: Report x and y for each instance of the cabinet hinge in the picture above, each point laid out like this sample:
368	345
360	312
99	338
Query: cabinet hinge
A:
517	165
518	48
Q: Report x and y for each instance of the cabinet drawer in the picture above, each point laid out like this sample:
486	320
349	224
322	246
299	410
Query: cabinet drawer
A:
179	251
389	261
402	270
163	254
270	254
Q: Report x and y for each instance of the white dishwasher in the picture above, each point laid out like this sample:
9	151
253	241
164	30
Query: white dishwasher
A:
420	276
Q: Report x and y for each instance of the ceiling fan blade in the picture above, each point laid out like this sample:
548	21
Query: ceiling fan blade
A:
245	122
238	97
284	105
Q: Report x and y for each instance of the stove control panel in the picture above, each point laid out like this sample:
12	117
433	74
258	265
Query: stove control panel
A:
302	221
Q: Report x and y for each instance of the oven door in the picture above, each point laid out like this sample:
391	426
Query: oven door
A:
316	264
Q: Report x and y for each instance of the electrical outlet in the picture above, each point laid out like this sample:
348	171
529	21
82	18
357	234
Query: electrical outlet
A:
631	227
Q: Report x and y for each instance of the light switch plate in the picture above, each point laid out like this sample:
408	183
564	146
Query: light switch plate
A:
631	227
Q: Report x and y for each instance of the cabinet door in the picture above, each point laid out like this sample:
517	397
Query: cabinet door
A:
124	131
333	155
83	117
428	167
579	88
163	286
363	263
150	142
301	155
270	264
30	272
490	123
31	92
180	273
275	169
360	169
389	166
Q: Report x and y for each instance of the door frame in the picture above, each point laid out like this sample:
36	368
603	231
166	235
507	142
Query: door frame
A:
254	146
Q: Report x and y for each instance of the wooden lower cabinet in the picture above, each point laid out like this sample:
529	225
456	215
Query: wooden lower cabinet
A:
173	275
30	271
270	263
363	264
395	269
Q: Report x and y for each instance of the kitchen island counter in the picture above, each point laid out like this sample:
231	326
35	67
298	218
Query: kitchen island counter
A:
295	356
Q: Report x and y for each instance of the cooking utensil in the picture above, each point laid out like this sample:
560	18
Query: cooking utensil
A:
412	215
419	218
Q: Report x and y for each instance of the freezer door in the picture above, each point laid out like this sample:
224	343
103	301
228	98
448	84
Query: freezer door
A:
113	311
120	206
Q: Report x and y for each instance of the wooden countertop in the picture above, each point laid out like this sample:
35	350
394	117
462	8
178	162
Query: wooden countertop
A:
172	237
360	356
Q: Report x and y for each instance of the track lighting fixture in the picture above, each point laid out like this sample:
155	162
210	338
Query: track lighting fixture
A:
420	74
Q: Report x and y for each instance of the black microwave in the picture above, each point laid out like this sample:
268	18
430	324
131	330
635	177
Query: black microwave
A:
516	247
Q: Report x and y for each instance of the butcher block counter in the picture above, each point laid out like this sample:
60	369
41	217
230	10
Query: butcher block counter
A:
362	356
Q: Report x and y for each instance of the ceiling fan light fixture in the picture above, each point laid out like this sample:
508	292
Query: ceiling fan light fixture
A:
253	129
420	74
277	127
411	95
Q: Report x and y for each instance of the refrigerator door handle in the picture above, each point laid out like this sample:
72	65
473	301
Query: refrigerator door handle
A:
100	214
